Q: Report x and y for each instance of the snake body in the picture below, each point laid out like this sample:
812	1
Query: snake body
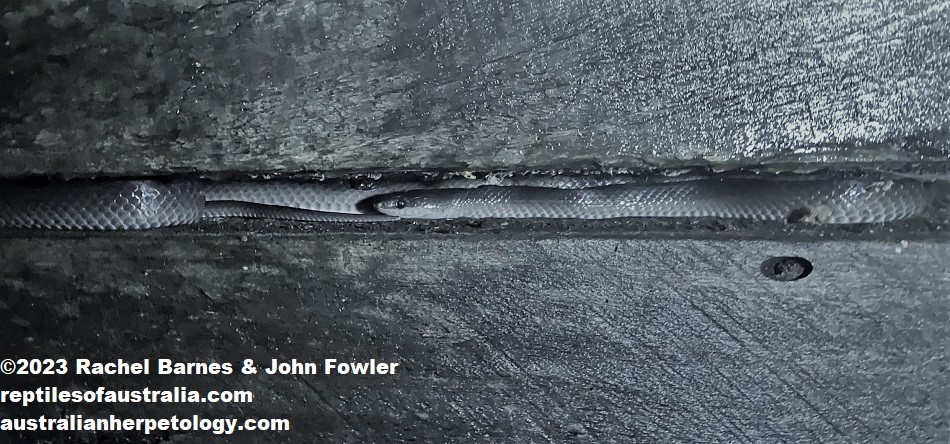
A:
339	197
838	201
111	205
141	204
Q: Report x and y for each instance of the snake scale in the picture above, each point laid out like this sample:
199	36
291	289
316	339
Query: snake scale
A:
141	204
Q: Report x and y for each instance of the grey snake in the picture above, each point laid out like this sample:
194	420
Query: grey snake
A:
141	204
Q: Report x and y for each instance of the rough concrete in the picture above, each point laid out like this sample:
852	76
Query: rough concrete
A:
144	86
515	340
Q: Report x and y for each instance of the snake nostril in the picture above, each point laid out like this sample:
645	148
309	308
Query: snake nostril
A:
786	268
400	204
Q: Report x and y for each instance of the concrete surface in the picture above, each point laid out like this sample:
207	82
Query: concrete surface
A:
516	340
145	86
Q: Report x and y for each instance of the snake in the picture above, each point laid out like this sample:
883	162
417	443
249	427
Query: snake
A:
144	203
829	201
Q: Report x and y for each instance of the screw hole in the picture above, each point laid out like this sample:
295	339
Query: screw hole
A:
786	268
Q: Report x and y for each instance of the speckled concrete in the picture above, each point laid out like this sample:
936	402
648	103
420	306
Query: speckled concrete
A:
504	340
146	86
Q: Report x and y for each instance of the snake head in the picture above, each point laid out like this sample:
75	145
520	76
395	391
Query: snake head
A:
416	205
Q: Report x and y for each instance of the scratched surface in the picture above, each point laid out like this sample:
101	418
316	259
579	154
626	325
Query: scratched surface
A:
144	86
506	340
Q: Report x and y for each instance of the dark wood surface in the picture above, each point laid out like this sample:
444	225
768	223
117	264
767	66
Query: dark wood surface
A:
135	87
541	340
503	337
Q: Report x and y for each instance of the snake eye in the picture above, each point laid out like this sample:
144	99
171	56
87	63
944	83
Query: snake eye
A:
400	204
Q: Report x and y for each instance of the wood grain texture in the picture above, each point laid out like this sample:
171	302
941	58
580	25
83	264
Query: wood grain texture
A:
507	340
138	86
